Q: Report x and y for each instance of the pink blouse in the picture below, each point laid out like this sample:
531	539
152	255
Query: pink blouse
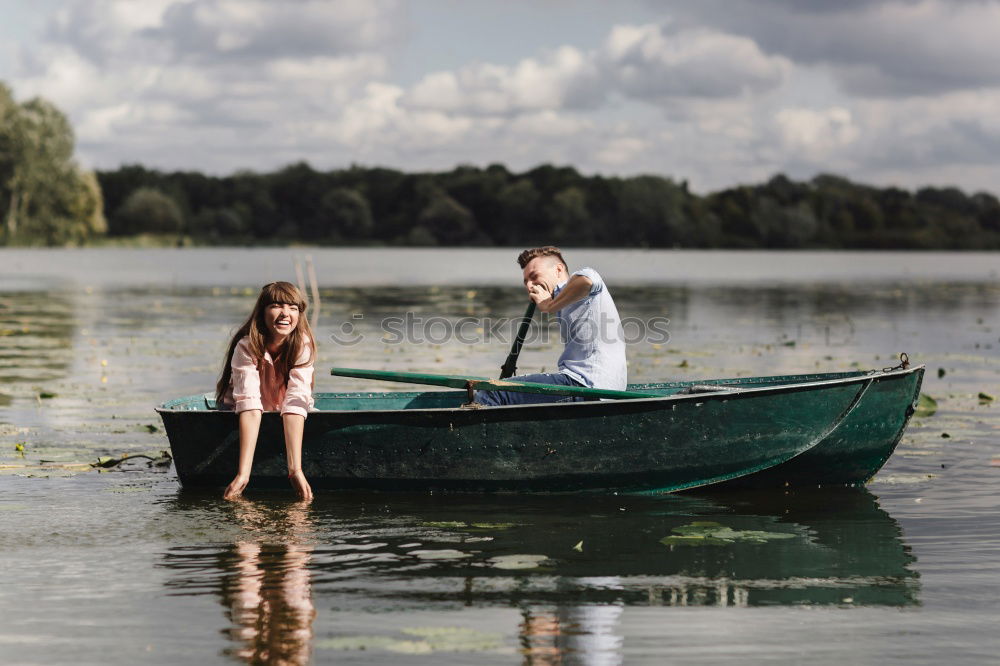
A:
261	387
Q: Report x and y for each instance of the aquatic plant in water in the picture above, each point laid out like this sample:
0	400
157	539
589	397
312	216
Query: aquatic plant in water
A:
709	533
421	640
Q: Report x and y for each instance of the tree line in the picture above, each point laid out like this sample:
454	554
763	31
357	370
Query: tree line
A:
469	206
47	199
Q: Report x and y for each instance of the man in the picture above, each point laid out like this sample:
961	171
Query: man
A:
594	355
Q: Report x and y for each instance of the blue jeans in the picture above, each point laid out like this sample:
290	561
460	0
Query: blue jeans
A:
497	398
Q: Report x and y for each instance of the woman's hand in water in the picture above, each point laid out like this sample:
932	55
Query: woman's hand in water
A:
236	487
300	485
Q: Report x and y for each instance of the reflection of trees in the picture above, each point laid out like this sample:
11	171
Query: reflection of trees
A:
269	594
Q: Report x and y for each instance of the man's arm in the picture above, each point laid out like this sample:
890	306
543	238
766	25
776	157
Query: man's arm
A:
575	290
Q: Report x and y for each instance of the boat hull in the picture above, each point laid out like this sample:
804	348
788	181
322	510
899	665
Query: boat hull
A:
854	451
858	448
644	445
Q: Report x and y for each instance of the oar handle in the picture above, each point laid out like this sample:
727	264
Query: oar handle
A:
510	365
482	384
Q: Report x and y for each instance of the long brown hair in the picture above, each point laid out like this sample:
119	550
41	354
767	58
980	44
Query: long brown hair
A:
255	328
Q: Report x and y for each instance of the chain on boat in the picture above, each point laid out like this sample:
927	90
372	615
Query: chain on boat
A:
904	363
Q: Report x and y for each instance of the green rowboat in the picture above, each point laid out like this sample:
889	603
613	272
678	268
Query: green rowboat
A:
817	429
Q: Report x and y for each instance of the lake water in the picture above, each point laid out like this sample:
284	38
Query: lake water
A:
123	566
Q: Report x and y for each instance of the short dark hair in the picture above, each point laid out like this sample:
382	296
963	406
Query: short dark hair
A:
534	253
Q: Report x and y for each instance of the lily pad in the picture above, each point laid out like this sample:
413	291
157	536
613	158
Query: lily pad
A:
694	540
902	479
492	526
456	639
926	405
709	533
458	524
443	554
420	640
356	643
517	561
444	523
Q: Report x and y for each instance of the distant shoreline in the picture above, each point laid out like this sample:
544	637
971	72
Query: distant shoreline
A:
470	206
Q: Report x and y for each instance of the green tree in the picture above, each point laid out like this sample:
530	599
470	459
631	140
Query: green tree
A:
225	223
44	195
651	212
147	210
448	221
900	209
420	236
568	217
987	211
479	191
469	205
519	211
784	227
346	214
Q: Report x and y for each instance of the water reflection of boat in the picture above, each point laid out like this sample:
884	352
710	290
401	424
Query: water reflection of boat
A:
412	560
836	547
824	429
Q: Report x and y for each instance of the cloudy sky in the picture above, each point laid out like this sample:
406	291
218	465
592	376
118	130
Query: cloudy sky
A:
717	92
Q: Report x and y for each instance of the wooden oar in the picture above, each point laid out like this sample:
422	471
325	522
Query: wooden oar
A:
484	384
510	365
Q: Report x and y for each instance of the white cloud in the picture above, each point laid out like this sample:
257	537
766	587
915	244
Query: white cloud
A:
260	29
134	75
620	151
564	78
548	124
102	30
947	131
650	62
646	62
723	92
816	132
878	48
